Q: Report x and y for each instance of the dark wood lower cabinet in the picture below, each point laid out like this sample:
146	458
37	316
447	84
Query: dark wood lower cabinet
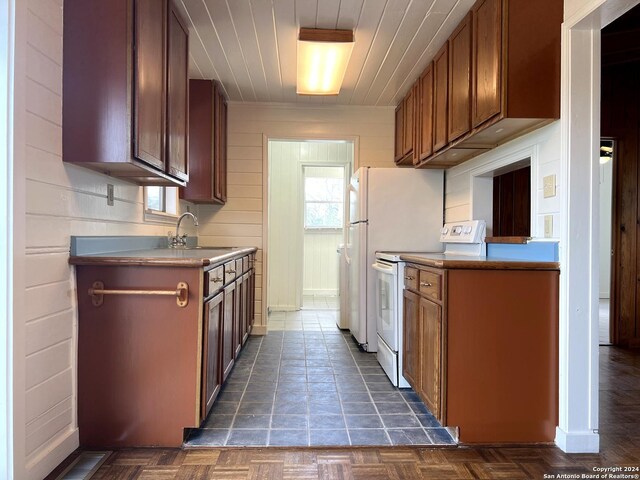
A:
410	345
148	367
430	338
481	350
228	342
214	312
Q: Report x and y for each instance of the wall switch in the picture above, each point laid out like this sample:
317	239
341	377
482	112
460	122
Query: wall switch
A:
549	186
548	226
109	194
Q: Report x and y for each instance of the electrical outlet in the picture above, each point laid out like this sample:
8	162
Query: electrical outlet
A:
109	194
548	226
549	186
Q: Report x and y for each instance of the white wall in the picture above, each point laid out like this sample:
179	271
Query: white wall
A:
463	196
61	200
240	221
606	185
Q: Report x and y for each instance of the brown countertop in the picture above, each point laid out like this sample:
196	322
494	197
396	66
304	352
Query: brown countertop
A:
439	260
165	257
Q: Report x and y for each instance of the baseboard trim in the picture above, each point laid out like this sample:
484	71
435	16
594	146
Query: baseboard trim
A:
43	461
577	442
259	330
284	308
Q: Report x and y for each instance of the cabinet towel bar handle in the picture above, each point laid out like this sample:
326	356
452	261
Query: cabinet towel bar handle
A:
181	292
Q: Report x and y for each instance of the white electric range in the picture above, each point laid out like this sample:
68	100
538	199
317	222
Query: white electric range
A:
458	239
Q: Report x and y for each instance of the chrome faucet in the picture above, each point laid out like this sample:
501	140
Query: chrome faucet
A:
178	241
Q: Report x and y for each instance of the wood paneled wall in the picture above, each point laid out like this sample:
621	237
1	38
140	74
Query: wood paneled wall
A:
621	121
239	222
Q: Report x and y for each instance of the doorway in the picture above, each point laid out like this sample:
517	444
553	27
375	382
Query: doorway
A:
620	161
307	188
605	305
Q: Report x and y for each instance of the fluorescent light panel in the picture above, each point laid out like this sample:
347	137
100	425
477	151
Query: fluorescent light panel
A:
323	56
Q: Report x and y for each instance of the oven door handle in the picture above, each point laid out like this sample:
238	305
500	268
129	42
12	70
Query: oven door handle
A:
380	267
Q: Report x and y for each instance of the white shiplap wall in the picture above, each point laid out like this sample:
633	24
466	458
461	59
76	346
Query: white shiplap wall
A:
61	200
543	145
240	221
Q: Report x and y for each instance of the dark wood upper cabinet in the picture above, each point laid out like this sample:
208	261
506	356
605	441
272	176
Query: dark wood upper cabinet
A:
399	135
405	132
440	98
409	131
425	115
149	81
487	67
207	144
460	80
495	78
177	96
119	92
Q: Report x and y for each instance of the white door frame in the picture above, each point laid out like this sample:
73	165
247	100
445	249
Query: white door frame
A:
7	25
580	139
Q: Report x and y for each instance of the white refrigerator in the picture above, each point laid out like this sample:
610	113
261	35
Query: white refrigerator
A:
390	209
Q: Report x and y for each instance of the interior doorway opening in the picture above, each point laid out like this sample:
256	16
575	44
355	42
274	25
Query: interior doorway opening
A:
306	212
605	305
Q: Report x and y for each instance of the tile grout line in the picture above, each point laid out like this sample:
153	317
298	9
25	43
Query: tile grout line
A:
371	397
233	420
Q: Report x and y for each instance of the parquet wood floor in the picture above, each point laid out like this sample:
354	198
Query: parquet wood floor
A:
620	446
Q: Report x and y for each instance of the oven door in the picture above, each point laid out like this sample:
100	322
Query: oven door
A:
386	302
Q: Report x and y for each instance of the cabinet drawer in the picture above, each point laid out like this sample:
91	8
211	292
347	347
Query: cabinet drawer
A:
239	269
245	264
229	271
430	285
411	278
214	280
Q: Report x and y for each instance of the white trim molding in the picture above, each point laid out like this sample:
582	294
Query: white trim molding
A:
7	26
579	241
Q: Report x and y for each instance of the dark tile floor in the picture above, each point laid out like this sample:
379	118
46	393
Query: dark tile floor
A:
314	387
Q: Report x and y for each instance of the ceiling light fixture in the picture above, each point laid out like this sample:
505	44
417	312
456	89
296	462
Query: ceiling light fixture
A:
323	56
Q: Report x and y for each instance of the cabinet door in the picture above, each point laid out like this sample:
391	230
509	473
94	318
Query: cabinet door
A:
251	294
228	344
460	80
246	307
399	138
409	104
431	354
200	186
425	113
487	40
211	353
411	340
149	82
220	147
238	313
440	97
177	96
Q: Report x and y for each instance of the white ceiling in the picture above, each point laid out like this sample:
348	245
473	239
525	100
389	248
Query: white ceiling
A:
250	45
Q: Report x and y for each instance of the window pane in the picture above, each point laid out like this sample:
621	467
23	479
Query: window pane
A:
323	189
323	215
154	198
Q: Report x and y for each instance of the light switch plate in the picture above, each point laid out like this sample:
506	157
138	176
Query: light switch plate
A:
548	226
549	186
